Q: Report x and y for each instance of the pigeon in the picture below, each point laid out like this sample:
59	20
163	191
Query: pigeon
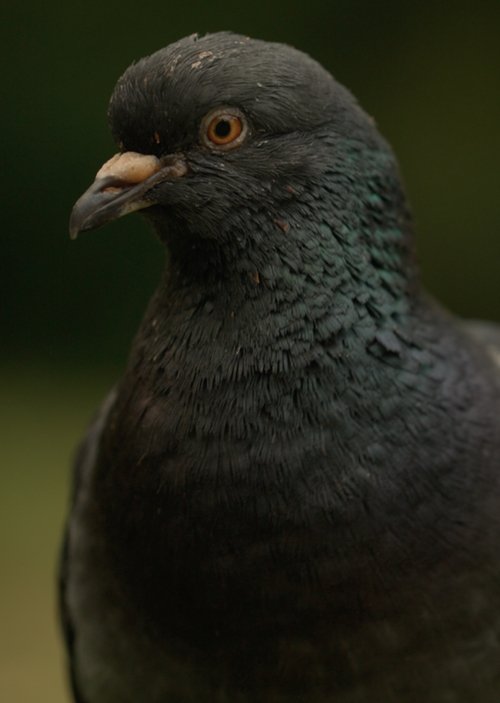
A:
293	492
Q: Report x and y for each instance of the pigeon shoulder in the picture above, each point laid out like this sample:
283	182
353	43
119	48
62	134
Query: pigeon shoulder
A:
487	334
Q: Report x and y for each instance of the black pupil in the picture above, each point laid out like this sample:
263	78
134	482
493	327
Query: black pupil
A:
223	128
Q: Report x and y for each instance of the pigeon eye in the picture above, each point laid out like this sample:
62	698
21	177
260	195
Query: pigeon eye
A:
224	129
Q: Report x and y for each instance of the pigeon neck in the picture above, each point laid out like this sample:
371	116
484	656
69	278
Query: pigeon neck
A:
316	245
302	279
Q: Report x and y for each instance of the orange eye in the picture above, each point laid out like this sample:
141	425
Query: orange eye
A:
224	129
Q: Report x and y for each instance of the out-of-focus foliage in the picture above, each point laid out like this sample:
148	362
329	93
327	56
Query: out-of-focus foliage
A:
428	72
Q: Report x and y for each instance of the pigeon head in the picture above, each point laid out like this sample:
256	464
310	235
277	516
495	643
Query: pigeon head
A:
236	145
166	101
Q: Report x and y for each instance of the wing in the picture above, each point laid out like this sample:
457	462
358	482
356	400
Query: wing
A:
84	462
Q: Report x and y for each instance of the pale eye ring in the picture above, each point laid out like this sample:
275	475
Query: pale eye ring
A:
224	128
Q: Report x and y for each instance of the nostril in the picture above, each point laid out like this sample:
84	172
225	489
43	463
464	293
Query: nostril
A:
116	186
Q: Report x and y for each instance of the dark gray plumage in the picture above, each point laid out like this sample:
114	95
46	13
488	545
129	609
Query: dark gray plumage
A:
293	493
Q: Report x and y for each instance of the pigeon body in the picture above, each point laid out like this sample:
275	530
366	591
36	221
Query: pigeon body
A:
293	492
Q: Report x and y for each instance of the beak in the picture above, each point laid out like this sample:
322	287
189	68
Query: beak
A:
122	185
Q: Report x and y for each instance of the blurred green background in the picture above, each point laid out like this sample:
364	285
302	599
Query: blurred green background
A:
429	72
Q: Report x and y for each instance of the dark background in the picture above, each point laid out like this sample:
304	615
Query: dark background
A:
428	72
